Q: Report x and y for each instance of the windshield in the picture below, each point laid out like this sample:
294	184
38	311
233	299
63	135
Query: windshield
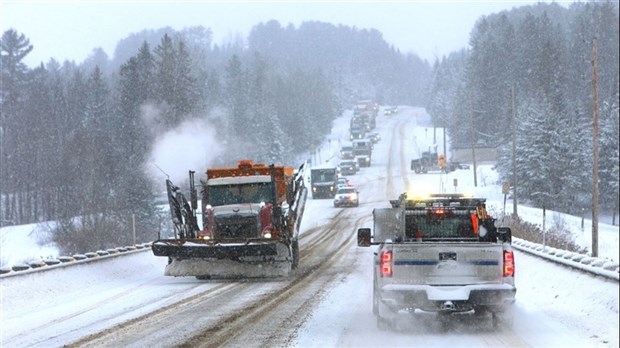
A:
323	176
237	194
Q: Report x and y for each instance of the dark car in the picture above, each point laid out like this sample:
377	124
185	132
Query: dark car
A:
374	137
390	110
347	168
346	152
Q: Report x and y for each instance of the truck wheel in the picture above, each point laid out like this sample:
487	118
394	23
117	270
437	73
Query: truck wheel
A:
382	323
295	250
375	303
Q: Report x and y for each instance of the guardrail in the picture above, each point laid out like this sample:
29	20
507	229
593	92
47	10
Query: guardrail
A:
598	266
595	265
66	261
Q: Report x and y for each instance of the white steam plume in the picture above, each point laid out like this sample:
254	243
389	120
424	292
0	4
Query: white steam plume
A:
191	146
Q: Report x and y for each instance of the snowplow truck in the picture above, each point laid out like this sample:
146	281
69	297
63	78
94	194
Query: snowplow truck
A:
250	223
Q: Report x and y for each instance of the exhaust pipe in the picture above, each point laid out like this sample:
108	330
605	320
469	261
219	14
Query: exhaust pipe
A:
447	306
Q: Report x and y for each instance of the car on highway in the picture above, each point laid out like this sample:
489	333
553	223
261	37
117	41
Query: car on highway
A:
343	181
347	196
374	137
348	167
390	110
346	152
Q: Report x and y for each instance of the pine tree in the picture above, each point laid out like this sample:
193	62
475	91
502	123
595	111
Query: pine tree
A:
15	47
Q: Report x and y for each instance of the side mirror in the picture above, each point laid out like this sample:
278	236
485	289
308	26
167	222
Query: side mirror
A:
363	237
504	234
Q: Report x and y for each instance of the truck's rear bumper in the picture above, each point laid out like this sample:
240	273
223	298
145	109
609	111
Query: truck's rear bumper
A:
430	298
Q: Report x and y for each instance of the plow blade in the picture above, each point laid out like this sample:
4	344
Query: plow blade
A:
206	260
189	249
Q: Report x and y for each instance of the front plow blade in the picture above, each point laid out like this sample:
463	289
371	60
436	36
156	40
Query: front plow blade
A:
223	268
208	259
201	249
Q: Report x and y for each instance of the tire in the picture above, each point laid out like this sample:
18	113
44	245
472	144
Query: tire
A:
383	324
375	303
295	251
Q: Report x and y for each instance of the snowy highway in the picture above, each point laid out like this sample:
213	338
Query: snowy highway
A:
126	301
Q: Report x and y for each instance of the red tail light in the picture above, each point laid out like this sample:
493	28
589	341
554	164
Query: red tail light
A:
386	264
509	264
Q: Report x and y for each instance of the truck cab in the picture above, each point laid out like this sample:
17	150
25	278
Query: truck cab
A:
324	182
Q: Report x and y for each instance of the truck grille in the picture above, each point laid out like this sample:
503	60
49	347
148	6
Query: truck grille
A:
236	226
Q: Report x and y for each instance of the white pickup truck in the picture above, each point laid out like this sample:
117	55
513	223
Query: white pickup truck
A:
440	254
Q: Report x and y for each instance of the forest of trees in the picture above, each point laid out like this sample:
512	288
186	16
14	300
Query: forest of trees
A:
543	55
75	138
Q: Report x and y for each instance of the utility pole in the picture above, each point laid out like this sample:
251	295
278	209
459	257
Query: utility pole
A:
514	155
444	142
471	136
595	179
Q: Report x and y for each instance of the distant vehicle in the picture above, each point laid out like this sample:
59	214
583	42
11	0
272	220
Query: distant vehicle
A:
430	162
357	133
347	167
457	165
390	110
342	182
346	152
324	182
374	137
362	149
347	196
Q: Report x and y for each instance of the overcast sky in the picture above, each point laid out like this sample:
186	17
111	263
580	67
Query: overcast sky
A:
72	29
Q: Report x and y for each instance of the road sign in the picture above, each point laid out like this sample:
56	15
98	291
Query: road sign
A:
506	187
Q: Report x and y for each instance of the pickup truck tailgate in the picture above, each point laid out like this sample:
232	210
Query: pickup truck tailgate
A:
447	263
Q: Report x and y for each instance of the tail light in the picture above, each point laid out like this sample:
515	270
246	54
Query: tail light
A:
386	263
509	264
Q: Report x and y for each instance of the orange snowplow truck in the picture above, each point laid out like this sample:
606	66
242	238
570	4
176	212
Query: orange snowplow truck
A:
250	223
